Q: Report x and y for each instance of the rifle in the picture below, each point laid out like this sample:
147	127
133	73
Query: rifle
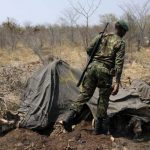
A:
92	55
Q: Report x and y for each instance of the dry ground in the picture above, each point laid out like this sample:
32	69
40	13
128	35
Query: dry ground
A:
80	139
17	66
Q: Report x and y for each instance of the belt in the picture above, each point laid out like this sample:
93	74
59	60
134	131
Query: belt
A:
105	68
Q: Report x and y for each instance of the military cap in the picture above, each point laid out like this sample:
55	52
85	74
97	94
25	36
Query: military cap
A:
123	24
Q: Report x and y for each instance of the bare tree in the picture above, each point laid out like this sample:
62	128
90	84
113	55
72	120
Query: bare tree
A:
148	30
70	17
108	18
51	35
3	42
139	14
132	36
86	9
33	38
11	32
111	18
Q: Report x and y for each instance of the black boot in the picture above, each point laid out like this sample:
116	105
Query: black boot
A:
105	125
98	126
101	126
70	120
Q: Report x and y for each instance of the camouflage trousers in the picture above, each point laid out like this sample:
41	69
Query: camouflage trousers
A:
97	75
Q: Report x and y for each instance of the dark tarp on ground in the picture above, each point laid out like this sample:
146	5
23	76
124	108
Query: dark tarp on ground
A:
50	92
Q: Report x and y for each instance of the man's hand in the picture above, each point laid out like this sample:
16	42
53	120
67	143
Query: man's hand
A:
115	89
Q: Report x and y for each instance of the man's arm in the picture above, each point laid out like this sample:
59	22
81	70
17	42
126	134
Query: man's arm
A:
119	61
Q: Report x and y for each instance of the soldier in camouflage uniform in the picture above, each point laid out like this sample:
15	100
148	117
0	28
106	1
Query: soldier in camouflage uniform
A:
109	58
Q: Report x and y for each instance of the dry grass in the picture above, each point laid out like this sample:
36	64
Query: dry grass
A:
21	55
74	55
136	67
139	66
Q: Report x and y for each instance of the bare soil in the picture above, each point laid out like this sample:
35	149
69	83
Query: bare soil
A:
80	139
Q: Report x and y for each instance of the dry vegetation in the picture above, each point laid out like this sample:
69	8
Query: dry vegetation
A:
138	66
23	50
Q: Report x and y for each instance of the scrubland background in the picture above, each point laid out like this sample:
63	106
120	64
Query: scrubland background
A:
24	48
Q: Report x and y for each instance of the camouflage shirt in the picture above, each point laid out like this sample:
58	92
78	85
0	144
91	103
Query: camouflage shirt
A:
110	53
